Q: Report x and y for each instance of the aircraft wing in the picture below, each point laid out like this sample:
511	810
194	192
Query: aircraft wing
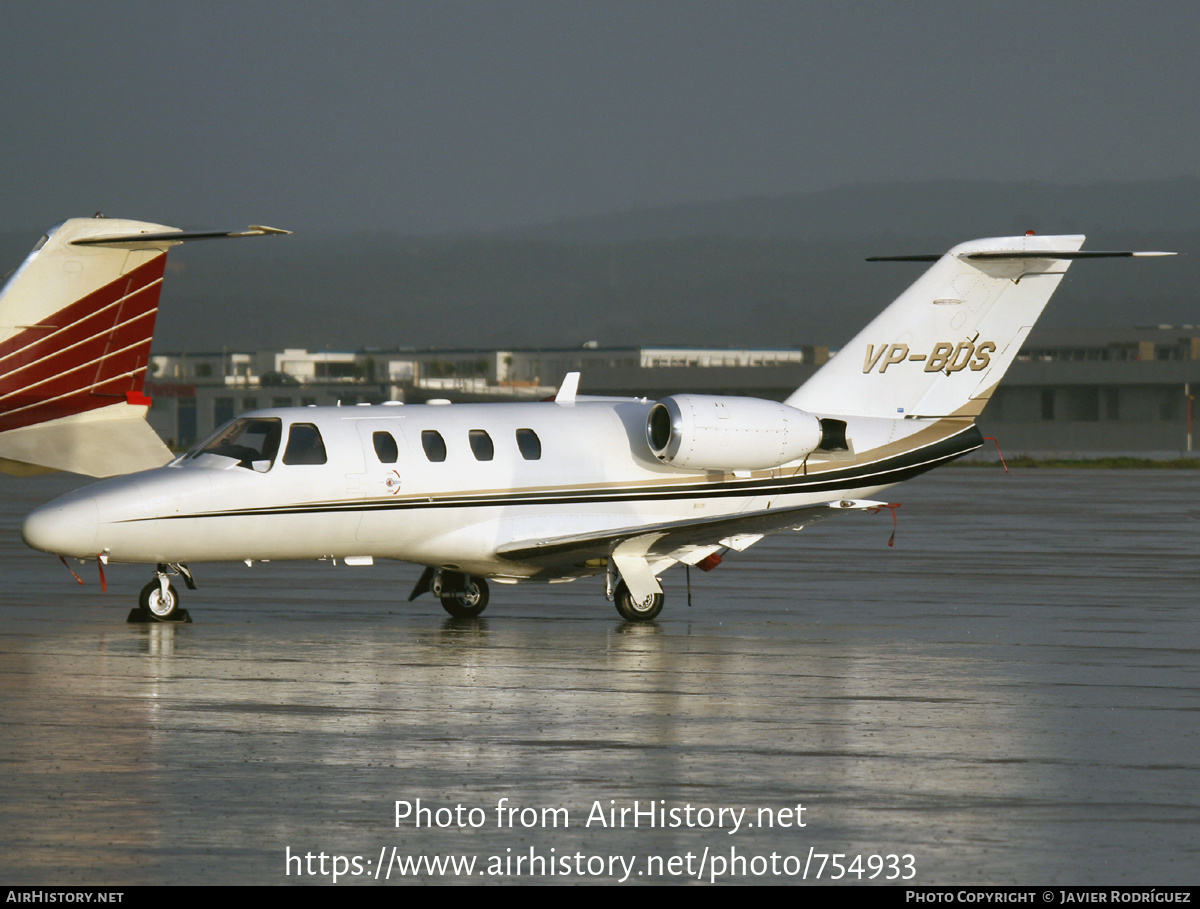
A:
652	548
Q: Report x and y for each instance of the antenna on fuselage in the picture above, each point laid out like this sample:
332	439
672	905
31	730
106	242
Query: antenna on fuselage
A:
566	391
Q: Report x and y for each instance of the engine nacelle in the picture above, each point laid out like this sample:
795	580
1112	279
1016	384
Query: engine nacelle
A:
716	432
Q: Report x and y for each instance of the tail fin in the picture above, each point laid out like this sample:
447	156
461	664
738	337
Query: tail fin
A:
76	322
942	347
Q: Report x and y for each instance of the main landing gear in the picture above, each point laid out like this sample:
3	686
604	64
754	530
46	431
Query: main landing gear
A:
632	609
159	600
462	595
465	597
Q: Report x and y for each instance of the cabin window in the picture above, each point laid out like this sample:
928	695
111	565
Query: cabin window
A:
304	445
530	444
253	442
434	444
481	445
385	447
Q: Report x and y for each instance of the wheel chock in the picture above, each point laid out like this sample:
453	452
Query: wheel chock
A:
140	616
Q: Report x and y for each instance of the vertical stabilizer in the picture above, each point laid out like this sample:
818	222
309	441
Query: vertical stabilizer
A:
940	349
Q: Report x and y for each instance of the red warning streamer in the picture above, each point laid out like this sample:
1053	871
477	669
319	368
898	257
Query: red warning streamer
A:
890	506
70	569
996	441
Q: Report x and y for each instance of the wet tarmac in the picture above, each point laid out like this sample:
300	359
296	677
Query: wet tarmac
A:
1010	694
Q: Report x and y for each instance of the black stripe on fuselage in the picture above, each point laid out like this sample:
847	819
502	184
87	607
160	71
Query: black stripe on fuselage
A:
885	472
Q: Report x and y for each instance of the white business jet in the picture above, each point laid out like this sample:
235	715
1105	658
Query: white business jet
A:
581	485
76	321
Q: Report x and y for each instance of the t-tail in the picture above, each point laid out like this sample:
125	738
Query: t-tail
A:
76	323
942	347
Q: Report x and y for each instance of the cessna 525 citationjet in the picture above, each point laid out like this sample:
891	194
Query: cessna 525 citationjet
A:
582	485
76	321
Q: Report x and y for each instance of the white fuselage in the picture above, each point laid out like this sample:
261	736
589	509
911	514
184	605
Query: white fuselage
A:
590	469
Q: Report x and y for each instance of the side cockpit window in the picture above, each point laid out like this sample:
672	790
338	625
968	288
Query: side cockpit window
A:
252	441
305	445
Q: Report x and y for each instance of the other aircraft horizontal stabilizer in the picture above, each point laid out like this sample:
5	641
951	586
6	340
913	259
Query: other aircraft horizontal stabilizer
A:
178	236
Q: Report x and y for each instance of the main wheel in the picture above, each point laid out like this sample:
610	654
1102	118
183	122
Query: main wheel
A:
468	602
633	610
161	607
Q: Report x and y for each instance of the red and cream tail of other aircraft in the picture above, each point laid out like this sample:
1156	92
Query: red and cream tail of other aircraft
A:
76	322
619	487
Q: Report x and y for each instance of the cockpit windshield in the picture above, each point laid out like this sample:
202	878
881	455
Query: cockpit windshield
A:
252	441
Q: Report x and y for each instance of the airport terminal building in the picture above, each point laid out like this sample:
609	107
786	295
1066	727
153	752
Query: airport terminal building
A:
1099	392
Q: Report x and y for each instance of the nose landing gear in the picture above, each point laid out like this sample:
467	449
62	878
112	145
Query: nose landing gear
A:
159	600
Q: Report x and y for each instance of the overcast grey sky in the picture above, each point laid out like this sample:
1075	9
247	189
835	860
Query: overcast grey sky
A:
459	115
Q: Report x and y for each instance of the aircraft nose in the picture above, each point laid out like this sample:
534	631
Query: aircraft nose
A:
67	526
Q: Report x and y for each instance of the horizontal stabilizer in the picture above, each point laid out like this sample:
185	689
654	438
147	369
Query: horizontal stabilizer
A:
1067	254
1033	254
178	236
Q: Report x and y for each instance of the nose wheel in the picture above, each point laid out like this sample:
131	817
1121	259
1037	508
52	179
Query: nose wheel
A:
159	600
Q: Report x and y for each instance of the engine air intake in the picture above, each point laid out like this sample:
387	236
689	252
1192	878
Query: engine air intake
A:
716	432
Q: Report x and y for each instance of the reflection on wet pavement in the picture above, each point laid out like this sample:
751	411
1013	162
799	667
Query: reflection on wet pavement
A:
1008	695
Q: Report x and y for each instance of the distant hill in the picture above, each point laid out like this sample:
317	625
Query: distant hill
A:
745	273
952	210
